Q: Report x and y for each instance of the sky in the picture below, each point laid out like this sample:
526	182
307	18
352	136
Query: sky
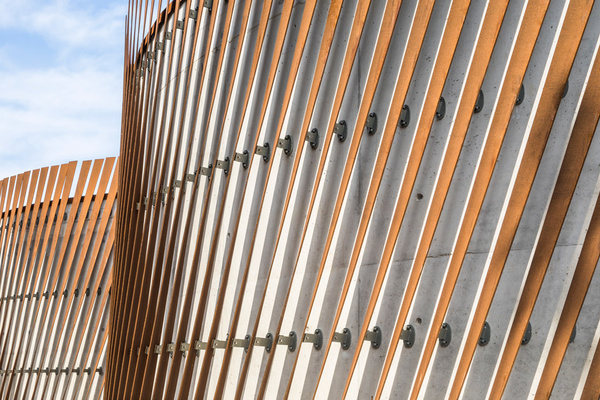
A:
61	80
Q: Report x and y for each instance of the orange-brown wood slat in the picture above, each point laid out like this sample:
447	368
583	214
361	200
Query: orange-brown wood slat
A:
136	284
50	183
85	253
54	267
449	42
78	237
6	237
13	264
62	189
22	259
355	35
327	38
388	24
105	295
583	132
409	61
571	34
279	42
584	272
142	330
481	57
186	306
199	317
308	14
591	389
532	21
109	238
155	382
30	258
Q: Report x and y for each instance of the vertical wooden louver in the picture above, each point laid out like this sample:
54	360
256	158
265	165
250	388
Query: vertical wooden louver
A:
56	277
357	199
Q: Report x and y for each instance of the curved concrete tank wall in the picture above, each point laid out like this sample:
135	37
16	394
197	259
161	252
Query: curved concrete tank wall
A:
56	242
359	199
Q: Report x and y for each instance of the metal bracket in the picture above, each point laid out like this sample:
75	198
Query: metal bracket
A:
408	336
219	344
521	95
54	371
286	145
479	102
374	337
184	347
344	337
157	349
198	345
527	335
371	123
169	35
180	24
160	46
176	183
171	348
341	131
190	177
206	170
65	371
486	333
312	137
315	338
244	158
193	14
289	341
264	151
208	4
224	165
440	111
405	116
266	342
445	336
245	342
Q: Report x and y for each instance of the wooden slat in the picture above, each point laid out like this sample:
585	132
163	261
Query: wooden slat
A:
532	21
448	43
38	255
65	179
566	48
355	34
187	304
583	132
586	266
199	317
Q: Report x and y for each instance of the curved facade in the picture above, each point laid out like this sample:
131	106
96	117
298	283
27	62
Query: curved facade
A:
56	241
359	199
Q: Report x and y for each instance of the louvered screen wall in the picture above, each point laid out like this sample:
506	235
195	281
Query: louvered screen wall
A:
56	242
360	199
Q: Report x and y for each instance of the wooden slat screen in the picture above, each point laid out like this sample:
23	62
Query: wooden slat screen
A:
357	199
56	240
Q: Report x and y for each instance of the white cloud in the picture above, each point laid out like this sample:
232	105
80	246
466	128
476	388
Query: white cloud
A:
68	107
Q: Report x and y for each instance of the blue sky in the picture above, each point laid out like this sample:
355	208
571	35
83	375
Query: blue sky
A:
61	78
